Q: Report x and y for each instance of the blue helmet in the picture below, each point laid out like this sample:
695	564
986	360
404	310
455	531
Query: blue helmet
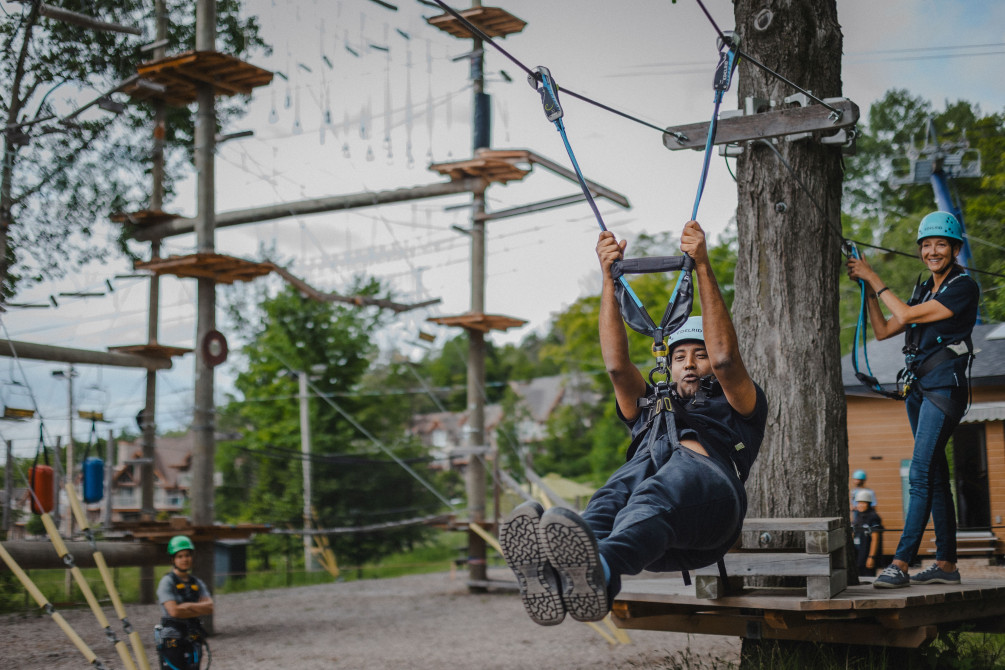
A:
691	331
940	224
859	474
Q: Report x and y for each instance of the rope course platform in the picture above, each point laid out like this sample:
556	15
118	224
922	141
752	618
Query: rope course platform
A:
492	166
224	269
479	321
162	531
153	350
182	74
144	217
493	21
859	615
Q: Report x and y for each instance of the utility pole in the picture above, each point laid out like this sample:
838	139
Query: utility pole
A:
8	487
305	448
204	417
68	376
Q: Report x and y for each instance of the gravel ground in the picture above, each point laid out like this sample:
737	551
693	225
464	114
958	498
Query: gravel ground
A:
422	621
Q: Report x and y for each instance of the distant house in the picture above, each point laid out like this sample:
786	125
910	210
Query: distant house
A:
172	476
880	442
444	434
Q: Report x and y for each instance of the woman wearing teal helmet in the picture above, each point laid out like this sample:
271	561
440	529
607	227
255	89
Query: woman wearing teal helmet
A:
938	320
181	640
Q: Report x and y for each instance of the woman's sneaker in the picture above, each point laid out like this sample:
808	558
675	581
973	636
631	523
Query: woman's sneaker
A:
892	577
539	584
936	575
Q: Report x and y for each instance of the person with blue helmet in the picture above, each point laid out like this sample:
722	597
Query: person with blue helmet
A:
678	502
937	321
859	476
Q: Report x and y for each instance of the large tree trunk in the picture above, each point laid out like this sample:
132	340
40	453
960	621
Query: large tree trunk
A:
788	268
786	305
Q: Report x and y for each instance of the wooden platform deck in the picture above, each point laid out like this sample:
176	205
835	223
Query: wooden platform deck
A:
860	615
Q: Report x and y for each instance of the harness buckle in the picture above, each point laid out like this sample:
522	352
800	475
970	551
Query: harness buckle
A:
548	90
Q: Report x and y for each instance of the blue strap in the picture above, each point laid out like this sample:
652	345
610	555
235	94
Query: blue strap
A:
553	110
723	77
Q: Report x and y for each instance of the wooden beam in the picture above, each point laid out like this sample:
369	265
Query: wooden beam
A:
808	119
40	555
182	226
45	352
89	22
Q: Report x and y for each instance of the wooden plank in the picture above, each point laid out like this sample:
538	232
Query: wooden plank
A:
792	524
772	565
812	118
823	541
827	586
746	626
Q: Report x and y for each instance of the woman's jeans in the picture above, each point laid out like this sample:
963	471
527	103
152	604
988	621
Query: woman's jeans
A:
930	492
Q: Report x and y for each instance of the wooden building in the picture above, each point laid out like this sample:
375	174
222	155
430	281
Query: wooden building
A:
880	442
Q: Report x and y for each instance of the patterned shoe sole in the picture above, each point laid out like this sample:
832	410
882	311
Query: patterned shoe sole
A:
539	589
572	551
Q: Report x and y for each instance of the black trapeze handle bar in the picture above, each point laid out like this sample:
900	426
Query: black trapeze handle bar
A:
637	266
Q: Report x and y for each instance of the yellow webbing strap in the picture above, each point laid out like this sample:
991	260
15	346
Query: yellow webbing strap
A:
106	576
43	602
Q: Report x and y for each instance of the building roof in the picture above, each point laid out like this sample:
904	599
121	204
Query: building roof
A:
886	360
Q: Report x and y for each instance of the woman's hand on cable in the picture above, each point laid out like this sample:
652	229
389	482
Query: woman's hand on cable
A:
858	268
609	250
692	243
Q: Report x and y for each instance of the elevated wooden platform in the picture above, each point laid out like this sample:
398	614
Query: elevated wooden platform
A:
493	21
492	166
479	321
144	217
182	74
152	349
162	531
860	615
224	269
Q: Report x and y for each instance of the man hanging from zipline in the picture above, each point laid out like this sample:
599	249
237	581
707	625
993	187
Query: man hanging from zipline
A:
678	502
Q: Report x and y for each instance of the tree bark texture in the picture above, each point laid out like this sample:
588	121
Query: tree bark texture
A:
788	267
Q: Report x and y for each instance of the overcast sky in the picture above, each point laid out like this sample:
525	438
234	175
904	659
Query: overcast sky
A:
650	58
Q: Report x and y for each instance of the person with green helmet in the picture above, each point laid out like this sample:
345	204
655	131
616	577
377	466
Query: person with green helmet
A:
678	501
937	321
183	598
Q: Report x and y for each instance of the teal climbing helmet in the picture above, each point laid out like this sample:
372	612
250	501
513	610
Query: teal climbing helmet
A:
691	331
859	474
940	224
179	543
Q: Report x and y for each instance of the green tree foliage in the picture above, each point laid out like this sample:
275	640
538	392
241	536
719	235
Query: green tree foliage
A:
76	172
354	482
884	215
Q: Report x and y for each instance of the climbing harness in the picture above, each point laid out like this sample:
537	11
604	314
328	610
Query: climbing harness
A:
181	643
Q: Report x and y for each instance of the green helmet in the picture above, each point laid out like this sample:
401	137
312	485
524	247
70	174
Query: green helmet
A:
179	543
940	224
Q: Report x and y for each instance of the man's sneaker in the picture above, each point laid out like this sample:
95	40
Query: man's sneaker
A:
572	550
539	585
892	577
936	575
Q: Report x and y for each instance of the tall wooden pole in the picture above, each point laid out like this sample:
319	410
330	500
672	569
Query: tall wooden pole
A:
475	476
204	416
